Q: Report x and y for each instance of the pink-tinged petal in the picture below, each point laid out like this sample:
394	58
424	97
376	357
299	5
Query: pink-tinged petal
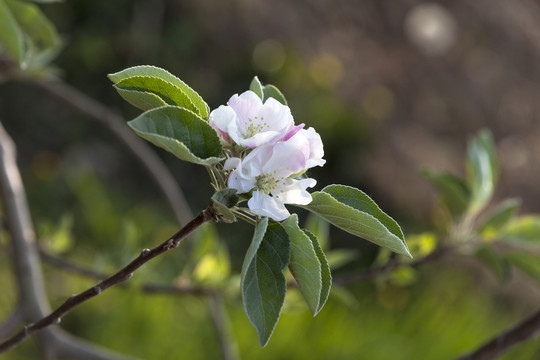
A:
276	116
295	191
266	205
222	119
246	106
285	161
316	150
292	131
260	139
300	142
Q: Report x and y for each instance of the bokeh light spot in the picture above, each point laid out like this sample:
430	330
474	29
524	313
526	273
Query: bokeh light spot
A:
269	55
431	28
326	70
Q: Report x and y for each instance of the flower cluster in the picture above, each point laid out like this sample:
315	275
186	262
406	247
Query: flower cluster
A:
277	153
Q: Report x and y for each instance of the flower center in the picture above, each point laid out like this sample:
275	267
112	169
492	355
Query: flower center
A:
266	183
255	127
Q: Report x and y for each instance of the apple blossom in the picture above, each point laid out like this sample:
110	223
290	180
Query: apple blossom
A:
249	122
267	171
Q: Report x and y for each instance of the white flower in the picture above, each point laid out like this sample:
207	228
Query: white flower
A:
249	123
267	172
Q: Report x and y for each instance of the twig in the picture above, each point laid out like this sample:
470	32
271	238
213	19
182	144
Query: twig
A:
124	274
32	297
142	152
501	343
369	274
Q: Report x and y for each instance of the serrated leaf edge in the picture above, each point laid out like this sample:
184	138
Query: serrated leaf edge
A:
407	253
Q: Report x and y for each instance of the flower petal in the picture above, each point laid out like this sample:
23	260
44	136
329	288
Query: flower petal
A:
276	116
246	106
294	191
293	130
266	205
241	183
231	163
261	138
286	160
223	120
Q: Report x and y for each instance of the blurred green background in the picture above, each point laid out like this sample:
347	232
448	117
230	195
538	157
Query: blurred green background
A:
392	87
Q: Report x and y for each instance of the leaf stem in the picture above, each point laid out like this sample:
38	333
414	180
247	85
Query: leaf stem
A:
244	217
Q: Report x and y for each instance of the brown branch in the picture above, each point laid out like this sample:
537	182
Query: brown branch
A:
124	274
54	342
116	125
501	343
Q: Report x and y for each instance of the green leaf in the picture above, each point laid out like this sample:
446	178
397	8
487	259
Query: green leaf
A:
143	100
270	91
453	192
169	93
180	132
498	219
263	283
35	24
151	71
304	264
11	35
482	170
526	262
525	229
256	87
495	262
223	200
326	276
353	211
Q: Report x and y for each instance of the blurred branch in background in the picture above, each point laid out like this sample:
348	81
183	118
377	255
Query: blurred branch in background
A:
32	296
503	342
39	321
11	322
139	149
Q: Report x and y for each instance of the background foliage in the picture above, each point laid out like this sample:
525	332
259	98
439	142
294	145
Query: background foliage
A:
387	101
